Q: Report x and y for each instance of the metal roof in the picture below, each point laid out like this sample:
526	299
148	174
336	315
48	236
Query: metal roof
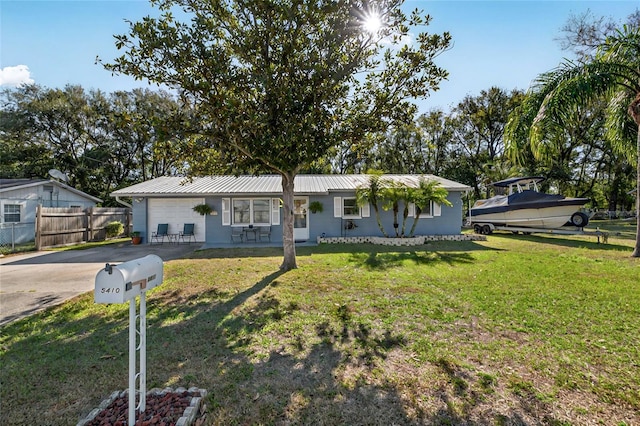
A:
265	184
6	184
13	184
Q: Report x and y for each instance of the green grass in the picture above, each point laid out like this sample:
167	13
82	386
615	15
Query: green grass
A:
31	246
91	244
18	248
515	330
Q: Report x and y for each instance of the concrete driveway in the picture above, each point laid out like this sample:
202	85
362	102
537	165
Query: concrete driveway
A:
34	281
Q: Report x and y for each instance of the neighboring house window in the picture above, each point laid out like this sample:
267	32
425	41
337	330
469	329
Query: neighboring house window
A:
251	211
11	213
350	208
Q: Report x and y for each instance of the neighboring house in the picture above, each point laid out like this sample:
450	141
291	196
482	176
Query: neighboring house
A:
247	203
20	197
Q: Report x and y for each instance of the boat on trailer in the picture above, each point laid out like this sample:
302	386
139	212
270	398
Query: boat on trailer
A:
524	206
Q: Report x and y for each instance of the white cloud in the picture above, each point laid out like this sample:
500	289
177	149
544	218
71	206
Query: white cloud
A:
15	76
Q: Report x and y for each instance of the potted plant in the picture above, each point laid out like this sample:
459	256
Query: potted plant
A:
203	209
315	207
136	238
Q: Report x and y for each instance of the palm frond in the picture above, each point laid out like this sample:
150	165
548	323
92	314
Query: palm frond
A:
621	129
577	86
518	127
622	47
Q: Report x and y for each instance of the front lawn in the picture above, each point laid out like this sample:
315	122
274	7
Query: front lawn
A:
514	330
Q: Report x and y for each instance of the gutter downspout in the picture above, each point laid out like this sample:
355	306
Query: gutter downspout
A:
124	203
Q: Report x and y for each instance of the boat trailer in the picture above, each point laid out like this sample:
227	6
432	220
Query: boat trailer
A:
488	228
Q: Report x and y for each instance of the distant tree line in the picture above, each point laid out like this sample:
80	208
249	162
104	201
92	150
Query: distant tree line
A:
101	141
108	141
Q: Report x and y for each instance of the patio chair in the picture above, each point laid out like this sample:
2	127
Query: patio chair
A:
236	234
188	231
250	233
161	233
265	232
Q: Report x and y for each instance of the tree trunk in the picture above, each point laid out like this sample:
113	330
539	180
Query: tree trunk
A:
378	220
415	221
405	215
636	251
396	208
634	111
288	242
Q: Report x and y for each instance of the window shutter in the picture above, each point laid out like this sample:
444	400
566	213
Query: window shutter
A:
275	211
337	206
365	210
412	210
437	209
226	211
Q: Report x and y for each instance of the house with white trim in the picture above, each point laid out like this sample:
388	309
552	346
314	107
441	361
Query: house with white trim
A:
249	208
19	199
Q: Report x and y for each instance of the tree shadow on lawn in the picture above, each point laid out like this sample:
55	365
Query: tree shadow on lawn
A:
238	347
293	376
558	240
310	250
383	261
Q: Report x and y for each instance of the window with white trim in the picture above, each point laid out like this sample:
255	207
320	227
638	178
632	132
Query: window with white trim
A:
350	208
427	210
262	211
11	213
250	211
432	209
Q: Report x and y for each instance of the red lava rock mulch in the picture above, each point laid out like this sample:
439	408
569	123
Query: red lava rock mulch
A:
164	408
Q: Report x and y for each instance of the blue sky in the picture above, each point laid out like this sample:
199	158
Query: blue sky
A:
496	43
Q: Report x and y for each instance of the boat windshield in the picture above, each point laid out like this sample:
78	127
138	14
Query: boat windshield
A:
523	185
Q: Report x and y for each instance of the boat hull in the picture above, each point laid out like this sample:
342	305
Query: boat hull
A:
525	206
551	217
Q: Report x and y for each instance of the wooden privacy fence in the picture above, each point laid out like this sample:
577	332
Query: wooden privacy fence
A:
58	226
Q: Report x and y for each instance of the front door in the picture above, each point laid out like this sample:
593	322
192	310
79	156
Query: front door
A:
300	218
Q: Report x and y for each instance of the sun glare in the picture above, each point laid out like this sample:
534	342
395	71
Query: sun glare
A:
372	23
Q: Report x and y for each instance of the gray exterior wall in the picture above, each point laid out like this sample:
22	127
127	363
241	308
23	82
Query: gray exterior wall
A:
448	223
322	223
218	234
140	220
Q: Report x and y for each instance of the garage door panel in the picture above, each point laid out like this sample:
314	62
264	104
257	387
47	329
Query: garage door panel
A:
176	212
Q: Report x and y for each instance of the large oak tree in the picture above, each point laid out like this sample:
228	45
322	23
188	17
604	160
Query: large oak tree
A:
277	83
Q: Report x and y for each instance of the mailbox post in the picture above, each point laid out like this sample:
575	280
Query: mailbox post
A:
123	283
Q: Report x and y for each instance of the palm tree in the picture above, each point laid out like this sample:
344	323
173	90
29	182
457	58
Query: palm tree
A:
392	194
613	74
422	196
371	194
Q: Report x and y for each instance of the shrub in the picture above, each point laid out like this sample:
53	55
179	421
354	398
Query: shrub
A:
113	229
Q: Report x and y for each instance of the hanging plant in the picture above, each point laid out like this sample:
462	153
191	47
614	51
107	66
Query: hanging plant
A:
203	209
315	207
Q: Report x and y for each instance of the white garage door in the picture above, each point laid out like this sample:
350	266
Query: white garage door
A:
176	212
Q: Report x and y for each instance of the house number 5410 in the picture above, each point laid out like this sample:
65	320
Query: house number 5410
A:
110	290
